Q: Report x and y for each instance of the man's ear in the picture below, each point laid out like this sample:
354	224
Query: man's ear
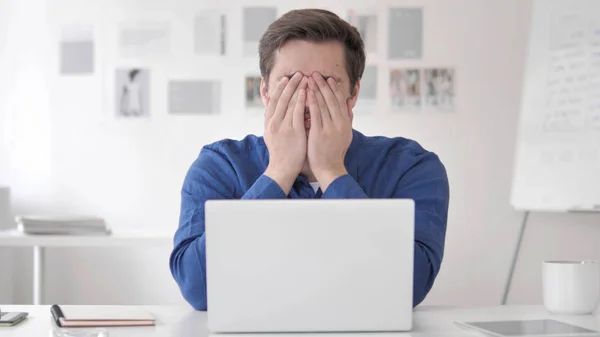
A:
354	96
264	91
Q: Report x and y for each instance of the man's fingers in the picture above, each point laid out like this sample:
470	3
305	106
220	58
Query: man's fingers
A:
340	98
328	96
275	97
350	112
286	95
324	110
291	105
298	115
315	112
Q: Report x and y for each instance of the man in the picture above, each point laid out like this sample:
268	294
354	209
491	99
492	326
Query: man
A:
311	62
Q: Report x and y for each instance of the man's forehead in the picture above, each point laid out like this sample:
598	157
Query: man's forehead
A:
307	58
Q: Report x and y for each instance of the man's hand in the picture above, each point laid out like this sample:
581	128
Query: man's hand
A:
285	134
330	132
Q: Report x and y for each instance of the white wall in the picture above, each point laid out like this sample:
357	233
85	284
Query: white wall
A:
67	152
5	70
7	254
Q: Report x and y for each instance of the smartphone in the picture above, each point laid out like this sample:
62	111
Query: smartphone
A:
12	318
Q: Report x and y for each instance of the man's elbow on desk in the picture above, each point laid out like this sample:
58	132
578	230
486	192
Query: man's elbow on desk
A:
188	270
196	300
426	268
198	303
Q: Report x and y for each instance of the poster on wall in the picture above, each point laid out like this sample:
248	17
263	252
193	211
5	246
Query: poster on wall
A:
367	97
132	92
210	33
405	33
144	39
256	21
365	22
405	89
439	88
252	91
198	97
76	48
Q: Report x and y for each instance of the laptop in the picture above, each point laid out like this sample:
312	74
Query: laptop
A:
309	265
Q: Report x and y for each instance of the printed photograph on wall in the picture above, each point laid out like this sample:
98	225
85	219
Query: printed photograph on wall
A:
405	33
439	88
196	97
209	33
144	39
253	99
366	24
367	97
256	20
77	50
405	89
132	92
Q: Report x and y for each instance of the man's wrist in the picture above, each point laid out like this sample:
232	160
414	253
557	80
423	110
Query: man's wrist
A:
284	179
326	177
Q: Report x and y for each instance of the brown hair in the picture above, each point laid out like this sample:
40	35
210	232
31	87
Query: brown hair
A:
314	25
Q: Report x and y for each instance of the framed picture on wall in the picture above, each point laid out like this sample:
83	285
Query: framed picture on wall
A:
256	20
439	88
252	93
366	22
210	29
132	92
405	89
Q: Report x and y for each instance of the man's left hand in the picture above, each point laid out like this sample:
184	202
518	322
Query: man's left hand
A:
330	132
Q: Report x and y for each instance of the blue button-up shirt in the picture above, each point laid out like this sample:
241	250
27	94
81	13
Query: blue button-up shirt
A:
378	167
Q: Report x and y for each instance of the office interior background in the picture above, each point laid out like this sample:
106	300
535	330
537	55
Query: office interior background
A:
64	150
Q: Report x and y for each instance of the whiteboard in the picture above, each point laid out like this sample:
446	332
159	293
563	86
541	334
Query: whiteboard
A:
557	162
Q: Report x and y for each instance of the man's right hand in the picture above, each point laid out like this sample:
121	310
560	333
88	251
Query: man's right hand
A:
285	134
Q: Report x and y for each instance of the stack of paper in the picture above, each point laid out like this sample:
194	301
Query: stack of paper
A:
62	225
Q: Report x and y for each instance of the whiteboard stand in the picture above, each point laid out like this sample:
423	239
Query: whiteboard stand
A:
514	258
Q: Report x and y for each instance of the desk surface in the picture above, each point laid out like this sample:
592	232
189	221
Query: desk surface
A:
183	321
14	238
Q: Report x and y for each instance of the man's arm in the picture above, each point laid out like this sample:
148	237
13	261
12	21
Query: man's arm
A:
210	177
427	184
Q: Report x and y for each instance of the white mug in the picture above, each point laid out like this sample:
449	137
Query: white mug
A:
571	287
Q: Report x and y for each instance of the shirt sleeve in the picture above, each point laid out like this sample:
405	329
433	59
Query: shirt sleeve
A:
427	184
344	187
211	176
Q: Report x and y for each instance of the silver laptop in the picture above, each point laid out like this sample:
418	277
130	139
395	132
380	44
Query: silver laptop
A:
309	265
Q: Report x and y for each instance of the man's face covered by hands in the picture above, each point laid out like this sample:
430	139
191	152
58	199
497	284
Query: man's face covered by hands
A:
311	60
308	112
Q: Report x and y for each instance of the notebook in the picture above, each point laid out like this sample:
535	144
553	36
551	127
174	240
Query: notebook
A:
69	316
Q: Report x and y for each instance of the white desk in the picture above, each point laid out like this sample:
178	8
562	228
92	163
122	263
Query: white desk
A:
14	238
182	321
